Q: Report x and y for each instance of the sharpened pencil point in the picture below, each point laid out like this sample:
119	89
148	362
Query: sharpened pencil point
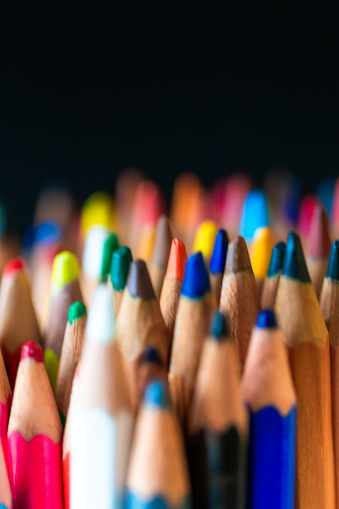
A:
196	282
294	265
76	311
32	350
65	269
333	264
13	266
218	259
218	327
157	395
139	283
266	320
177	260
277	259
121	261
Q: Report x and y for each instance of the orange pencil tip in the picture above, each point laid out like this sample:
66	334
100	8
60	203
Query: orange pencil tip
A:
177	260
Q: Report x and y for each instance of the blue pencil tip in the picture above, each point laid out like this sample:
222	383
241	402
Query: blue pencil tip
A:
218	259
294	265
333	264
196	281
277	259
157	395
254	214
266	320
218	327
47	232
151	355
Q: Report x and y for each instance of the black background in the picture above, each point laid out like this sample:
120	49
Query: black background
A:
87	89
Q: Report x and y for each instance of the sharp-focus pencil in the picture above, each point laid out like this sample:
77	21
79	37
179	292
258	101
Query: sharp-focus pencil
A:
218	262
268	391
191	328
158	474
102	425
70	355
218	425
140	324
34	437
305	333
17	315
171	288
239	300
271	282
162	247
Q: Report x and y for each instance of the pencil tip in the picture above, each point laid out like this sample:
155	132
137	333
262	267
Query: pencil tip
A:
65	269
157	395
47	233
277	259
101	323
76	311
294	265
100	245
238	258
218	327
151	354
218	259
196	282
163	241
139	282
31	350
205	238
13	266
319	242
266	320
254	214
333	264
177	260
121	261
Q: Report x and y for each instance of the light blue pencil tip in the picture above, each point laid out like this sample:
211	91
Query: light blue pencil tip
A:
254	214
157	395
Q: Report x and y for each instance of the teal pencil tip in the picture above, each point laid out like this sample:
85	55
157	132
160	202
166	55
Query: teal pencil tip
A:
218	328
294	265
277	259
121	261
76	311
333	263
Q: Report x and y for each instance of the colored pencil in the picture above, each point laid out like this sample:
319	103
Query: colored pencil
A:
268	391
254	214
237	187
325	192
261	250
335	209
305	333
190	330
329	304
318	248
70	355
270	288
204	240
162	247
101	428
306	210
121	261
239	300
65	290
150	367
218	262
218	425
5	405
97	211
34	437
186	186
157	475
17	316
172	284
140	324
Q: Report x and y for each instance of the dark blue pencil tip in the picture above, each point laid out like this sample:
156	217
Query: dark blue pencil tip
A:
294	265
277	259
157	395
218	327
333	263
266	320
218	259
196	281
151	355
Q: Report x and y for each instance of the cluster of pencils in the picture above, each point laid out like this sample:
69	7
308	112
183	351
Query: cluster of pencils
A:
204	381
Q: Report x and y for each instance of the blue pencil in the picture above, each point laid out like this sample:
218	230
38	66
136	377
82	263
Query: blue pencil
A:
218	262
268	391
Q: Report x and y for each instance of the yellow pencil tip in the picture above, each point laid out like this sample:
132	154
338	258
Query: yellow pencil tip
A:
97	210
261	250
205	238
51	362
65	269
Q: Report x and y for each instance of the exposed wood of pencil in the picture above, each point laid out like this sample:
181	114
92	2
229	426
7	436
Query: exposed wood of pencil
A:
239	300
169	301
70	356
216	285
269	292
306	335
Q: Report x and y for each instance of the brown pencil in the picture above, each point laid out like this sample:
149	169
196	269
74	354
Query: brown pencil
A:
305	333
239	300
17	316
70	355
318	248
171	288
329	304
162	247
140	324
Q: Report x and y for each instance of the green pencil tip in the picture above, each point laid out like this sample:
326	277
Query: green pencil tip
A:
76	311
121	261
